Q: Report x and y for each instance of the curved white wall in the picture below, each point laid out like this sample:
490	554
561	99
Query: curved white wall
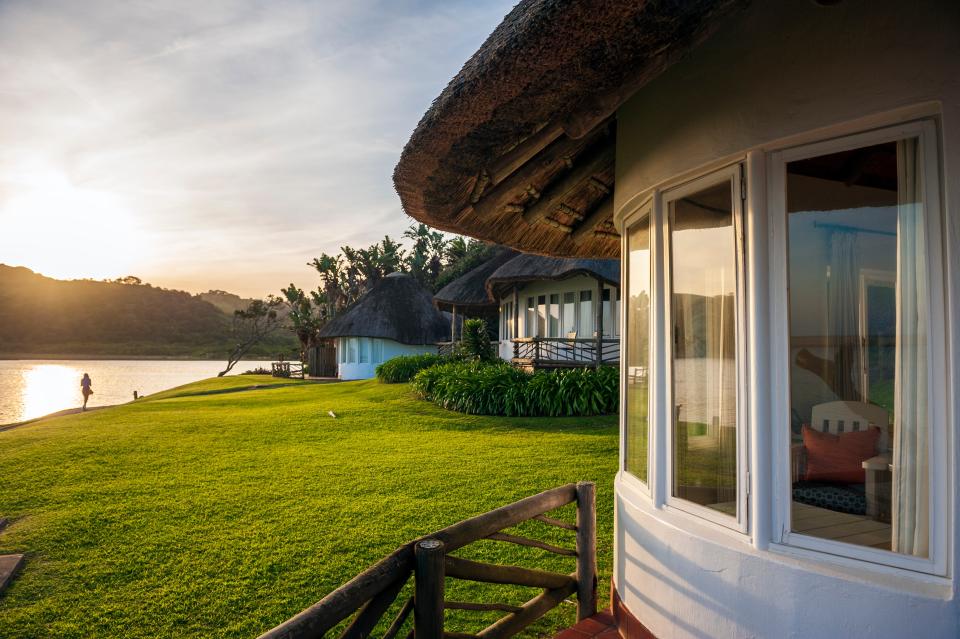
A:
774	71
347	370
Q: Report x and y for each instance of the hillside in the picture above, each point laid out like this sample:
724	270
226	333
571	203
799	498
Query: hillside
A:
43	316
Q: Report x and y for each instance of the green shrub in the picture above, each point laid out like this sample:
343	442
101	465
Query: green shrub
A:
496	388
402	369
476	341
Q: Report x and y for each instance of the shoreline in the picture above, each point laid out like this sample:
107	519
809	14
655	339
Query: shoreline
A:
59	413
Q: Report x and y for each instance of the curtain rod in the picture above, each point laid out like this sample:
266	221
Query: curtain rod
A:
851	229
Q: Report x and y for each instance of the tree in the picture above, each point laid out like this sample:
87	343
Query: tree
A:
426	259
251	326
306	319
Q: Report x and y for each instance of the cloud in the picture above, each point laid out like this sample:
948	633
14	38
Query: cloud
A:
238	133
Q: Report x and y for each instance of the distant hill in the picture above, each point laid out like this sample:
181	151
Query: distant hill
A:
43	316
226	302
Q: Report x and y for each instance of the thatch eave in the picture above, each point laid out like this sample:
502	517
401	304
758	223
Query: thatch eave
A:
524	269
518	149
396	308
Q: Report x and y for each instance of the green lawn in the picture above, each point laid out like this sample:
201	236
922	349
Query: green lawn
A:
202	513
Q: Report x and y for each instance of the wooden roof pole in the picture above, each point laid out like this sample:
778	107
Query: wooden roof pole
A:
559	190
556	156
602	211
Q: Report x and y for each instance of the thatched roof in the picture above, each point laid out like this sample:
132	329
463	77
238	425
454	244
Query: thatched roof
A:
469	290
532	268
397	308
519	147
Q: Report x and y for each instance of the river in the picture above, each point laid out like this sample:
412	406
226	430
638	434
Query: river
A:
32	388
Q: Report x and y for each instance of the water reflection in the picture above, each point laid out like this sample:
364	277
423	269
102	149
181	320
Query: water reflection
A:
33	388
50	387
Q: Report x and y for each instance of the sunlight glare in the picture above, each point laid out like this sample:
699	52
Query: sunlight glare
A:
56	228
50	387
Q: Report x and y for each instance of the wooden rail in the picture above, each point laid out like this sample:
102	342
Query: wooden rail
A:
369	595
545	352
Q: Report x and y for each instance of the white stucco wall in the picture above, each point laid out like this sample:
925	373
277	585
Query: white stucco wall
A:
778	70
575	285
389	350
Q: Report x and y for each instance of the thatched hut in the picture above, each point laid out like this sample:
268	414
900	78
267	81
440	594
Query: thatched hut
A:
396	317
561	300
782	182
467	296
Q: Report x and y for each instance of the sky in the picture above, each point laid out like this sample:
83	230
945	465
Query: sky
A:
214	145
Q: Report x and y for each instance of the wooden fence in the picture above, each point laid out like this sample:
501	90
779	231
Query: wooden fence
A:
369	595
286	369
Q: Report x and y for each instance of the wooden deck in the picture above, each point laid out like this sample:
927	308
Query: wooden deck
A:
828	524
599	626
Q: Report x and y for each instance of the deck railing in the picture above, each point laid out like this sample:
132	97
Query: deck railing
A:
565	351
369	595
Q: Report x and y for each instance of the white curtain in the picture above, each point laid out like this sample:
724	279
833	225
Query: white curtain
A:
911	477
844	324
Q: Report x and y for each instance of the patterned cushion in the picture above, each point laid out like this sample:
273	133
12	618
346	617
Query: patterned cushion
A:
845	499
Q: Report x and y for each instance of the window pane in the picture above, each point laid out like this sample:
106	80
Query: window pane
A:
377	350
607	314
530	323
703	264
569	313
638	349
555	315
585	324
352	356
541	315
858	356
364	350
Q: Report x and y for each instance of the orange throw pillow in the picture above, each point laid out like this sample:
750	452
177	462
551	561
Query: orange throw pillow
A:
838	458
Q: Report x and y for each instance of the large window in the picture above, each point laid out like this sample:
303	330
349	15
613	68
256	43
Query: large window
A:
569	321
530	319
636	407
703	310
554	315
585	321
860	300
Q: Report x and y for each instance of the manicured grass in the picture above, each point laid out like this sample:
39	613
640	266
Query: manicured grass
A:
222	514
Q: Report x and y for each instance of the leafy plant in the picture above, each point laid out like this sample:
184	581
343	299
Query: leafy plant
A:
402	369
484	388
476	341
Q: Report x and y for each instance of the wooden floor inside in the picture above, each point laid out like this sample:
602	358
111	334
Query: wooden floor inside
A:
828	524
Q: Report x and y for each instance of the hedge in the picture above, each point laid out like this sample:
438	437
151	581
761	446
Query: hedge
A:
480	388
402	369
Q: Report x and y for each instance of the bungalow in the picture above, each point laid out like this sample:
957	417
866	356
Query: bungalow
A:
557	312
780	181
396	317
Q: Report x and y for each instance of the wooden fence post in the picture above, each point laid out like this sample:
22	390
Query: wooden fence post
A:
586	549
428	589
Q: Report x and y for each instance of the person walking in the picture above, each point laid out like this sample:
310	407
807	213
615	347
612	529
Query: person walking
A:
85	389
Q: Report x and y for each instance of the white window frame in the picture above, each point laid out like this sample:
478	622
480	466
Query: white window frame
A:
940	507
644	210
734	175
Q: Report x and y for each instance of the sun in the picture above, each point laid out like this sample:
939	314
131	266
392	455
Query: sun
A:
60	229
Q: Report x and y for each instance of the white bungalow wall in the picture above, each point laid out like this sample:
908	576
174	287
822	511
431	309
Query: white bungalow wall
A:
774	71
584	315
358	357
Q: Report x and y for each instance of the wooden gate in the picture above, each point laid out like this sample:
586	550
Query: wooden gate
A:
322	360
